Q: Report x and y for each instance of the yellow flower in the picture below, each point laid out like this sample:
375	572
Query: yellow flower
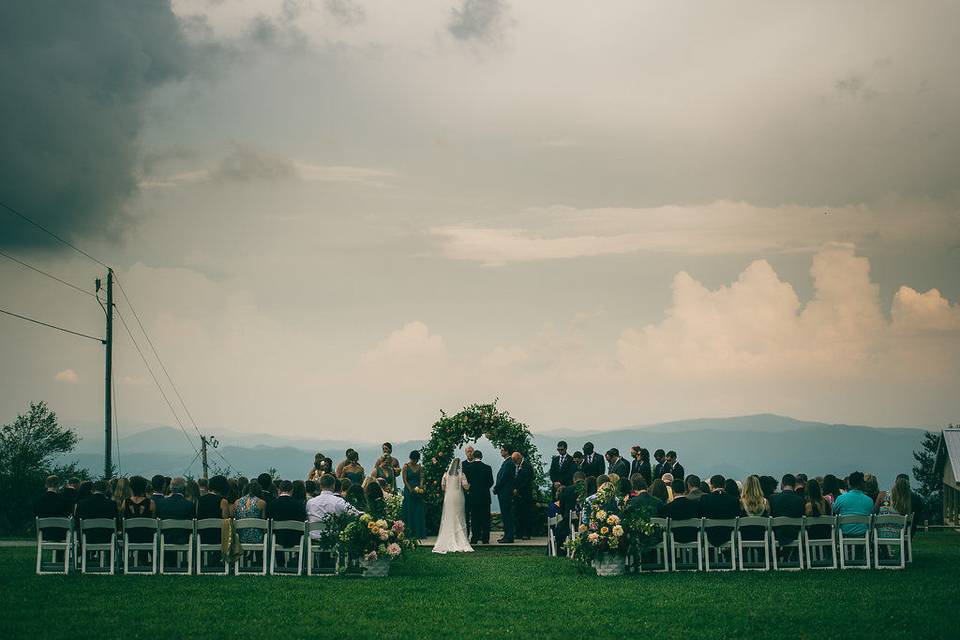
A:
601	515
604	530
618	531
582	528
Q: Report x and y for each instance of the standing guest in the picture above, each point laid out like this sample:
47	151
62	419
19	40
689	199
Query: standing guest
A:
376	506
98	505
69	492
831	488
327	503
156	482
593	464
321	465
814	507
659	491
52	504
673	465
353	470
755	504
478	499
561	466
346	460
251	505
616	464
717	504
387	467
414	514
854	502
503	488
523	496
578	462
641	463
787	504
176	507
660	458
299	490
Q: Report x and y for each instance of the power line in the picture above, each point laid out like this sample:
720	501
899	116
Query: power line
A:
52	326
156	382
52	234
51	276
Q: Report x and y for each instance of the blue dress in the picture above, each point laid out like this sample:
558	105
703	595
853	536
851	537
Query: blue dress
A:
247	508
414	513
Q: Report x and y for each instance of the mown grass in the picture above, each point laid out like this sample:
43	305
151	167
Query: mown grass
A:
494	593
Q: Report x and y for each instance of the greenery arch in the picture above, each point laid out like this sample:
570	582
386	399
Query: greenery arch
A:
452	432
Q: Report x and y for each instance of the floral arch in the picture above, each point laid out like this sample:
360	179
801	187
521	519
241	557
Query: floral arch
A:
449	433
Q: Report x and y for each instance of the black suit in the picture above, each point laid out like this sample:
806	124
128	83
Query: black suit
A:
683	508
506	479
644	500
719	505
643	468
562	470
176	507
658	470
287	508
70	495
621	467
52	505
595	466
208	506
676	469
478	500
97	506
790	504
523	501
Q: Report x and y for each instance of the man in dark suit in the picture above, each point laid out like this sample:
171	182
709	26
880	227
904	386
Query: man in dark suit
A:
718	505
660	457
788	503
98	505
616	464
672	465
640	498
52	505
211	505
286	507
578	462
176	507
640	463
478	499
69	492
506	479
561	467
568	503
684	507
593	464
468	467
157	482
523	496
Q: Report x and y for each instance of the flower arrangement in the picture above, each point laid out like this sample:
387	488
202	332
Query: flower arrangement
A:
394	505
371	539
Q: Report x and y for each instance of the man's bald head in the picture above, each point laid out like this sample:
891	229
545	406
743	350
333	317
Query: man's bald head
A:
516	457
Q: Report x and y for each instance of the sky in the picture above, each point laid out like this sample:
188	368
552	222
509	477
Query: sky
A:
336	218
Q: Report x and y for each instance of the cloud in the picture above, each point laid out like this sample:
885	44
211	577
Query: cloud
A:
346	12
67	375
477	19
412	344
721	227
76	80
245	164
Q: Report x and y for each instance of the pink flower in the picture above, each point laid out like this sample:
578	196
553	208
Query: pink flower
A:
393	549
398	526
384	535
370	557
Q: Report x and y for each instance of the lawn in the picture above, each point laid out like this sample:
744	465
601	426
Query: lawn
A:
494	593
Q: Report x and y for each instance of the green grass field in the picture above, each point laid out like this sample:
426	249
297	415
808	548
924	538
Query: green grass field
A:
494	593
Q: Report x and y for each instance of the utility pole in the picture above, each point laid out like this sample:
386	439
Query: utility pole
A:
203	454
108	383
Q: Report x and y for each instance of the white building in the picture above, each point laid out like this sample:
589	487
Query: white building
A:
948	455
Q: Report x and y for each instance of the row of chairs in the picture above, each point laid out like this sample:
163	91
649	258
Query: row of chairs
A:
177	547
762	543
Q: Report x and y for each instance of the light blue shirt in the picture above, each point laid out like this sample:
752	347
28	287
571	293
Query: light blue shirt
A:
856	503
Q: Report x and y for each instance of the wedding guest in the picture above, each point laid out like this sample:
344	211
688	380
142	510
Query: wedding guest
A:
286	507
299	490
801	486
568	504
504	490
769	486
98	505
659	491
311	488
871	488
854	502
176	507
523	496
592	489
624	487
138	505
478	499
578	462
754	503
214	504
353	470
898	502
343	486
831	488
641	463
234	492
267	489
658	469
814	507
678	488
673	465
157	482
616	464
69	492
251	505
414	514
589	490
717	504
731	488
192	491
52	505
376	506
203	486
327	503
242	483
916	504
685	506
786	504
642	498
562	466
355	496
121	492
593	464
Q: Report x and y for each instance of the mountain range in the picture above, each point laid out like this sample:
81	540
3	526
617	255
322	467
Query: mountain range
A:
735	447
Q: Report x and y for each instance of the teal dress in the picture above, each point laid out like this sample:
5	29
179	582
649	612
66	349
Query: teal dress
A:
414	513
247	508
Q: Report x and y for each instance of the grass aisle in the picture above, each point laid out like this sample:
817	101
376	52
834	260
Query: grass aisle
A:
493	593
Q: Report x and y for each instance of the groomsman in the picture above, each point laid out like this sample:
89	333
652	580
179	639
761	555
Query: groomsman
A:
593	464
523	496
617	464
640	463
478	499
673	466
660	456
561	467
506	480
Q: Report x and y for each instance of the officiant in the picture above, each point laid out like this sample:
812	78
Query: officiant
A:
480	478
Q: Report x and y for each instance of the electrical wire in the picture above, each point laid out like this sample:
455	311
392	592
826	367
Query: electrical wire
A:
51	234
49	275
52	326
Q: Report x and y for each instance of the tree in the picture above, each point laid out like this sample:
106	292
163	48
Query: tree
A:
28	450
929	477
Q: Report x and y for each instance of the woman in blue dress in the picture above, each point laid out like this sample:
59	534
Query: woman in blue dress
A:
414	514
251	505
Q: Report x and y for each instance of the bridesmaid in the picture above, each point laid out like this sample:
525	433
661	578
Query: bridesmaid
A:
414	515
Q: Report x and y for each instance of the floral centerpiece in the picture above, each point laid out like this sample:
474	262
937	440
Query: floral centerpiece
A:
376	543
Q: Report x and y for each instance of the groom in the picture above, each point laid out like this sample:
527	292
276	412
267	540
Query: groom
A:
480	479
506	479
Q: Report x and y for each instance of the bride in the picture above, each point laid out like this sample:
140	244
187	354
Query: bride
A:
453	522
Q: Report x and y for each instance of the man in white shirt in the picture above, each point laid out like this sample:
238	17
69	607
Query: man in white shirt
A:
327	503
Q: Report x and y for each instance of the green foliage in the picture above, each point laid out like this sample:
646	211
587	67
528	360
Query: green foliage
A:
929	476
452	432
614	527
28	448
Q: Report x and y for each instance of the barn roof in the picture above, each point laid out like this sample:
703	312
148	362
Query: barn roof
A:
949	450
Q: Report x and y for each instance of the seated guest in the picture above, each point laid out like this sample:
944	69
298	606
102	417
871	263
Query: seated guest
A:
52	505
213	504
327	503
731	488
343	486
355	496
871	487
589	489
286	507
265	480
311	489
916	503
376	506
718	505
234	491
251	505
203	486
156	482
705	487
589	500
830	488
816	506
98	505
176	507
121	491
659	491
787	504
754	503
568	503
896	502
299	491
769	486
685	506
678	487
642	498
242	483
801	486
853	502
138	505
192	492
69	492
624	487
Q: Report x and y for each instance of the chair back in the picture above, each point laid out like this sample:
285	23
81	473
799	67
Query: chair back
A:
209	523
178	525
54	523
891	519
140	523
252	523
289	525
98	523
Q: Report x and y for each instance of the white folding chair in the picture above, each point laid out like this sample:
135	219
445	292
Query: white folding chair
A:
686	549
104	550
820	551
850	542
552	521
208	550
318	551
780	529
147	525
574	521
729	545
658	556
897	531
56	528
286	525
909	538
178	549
749	550
240	566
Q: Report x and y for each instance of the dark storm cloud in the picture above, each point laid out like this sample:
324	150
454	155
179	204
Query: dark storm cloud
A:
76	77
477	19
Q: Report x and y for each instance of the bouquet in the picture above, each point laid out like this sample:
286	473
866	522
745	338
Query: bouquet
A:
604	532
371	539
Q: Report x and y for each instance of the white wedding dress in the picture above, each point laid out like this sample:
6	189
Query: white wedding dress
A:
453	522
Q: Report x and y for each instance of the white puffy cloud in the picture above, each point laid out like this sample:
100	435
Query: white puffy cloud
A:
411	345
67	375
